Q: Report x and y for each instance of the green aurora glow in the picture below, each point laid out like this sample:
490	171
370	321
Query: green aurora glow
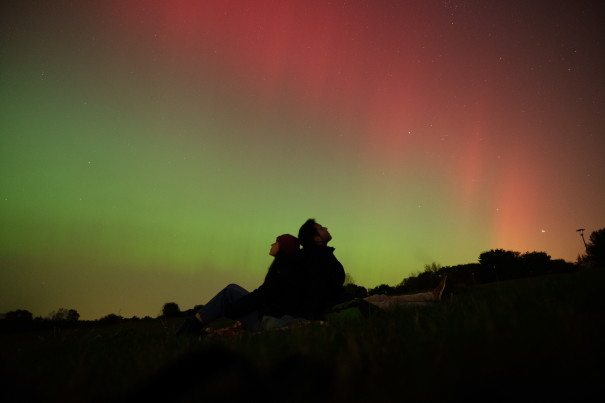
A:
153	155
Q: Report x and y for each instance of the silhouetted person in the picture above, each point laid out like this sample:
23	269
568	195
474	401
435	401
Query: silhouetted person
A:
323	275
324	278
274	297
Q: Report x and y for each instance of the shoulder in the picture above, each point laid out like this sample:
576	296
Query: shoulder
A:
319	257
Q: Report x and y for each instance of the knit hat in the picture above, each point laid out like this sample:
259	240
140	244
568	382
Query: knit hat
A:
288	243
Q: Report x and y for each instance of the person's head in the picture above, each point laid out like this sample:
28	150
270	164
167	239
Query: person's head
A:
311	233
285	244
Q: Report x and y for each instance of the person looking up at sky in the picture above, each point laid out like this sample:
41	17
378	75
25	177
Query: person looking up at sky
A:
274	297
323	275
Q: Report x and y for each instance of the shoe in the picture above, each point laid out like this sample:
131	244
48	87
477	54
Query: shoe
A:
191	326
438	291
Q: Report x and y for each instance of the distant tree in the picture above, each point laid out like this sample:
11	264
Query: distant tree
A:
17	320
73	315
463	274
381	289
497	264
501	264
561	266
420	281
20	315
534	263
111	318
425	280
171	310
67	315
595	248
355	291
352	289
433	267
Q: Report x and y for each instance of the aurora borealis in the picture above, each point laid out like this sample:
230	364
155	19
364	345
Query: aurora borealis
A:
151	152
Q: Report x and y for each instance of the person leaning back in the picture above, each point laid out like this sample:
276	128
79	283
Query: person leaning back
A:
323	274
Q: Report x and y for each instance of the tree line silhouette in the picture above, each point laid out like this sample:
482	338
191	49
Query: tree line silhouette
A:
494	265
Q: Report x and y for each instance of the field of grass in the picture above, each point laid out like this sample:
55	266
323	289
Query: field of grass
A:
534	339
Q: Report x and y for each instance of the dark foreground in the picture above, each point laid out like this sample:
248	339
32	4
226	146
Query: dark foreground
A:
535	339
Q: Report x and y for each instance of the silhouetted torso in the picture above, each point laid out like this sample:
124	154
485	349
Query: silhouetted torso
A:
323	278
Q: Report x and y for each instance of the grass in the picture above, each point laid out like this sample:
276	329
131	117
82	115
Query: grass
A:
524	340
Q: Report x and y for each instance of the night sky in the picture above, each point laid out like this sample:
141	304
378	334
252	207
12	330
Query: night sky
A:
151	151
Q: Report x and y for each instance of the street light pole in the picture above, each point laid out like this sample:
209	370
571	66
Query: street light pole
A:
581	231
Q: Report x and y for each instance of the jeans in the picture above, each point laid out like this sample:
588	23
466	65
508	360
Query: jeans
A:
215	308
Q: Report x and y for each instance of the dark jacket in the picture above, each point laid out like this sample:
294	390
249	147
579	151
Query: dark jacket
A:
280	293
323	277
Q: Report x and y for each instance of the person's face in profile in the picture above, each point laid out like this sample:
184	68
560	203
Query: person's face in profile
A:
274	248
323	236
